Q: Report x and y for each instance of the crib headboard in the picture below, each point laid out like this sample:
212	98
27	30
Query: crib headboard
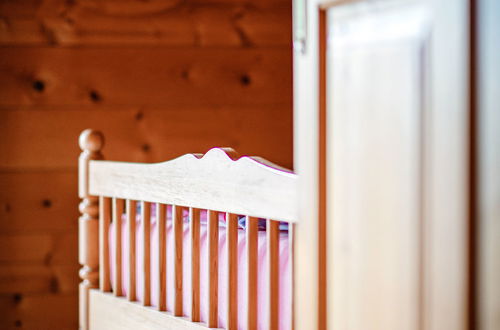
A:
217	181
214	181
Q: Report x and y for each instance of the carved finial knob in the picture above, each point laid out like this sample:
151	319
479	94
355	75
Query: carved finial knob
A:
91	140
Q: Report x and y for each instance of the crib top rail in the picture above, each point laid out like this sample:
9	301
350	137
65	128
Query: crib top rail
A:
215	181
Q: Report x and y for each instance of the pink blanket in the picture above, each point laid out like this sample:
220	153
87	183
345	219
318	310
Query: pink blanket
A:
285	271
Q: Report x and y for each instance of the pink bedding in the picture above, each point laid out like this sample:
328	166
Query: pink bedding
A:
285	272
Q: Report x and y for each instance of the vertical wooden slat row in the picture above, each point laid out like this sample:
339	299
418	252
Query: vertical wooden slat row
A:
104	220
178	233
213	267
194	229
161	213
232	270
273	267
131	216
118	205
252	232
146	256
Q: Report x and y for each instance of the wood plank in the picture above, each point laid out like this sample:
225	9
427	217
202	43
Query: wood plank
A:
25	210
166	76
108	312
214	181
115	9
135	133
104	222
161	214
118	207
39	311
194	229
38	249
27	279
131	230
232	270
146	252
185	24
252	235
273	232
213	269
178	228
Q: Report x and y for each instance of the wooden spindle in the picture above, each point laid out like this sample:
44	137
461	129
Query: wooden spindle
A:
91	143
146	256
273	233
213	269
252	236
131	218
194	229
161	213
291	251
178	225
118	205
232	270
104	221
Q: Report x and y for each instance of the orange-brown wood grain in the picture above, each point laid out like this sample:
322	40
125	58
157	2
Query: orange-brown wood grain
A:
161	214
143	76
232	270
178	224
138	133
146	250
159	78
194	229
104	263
118	206
213	269
131	236
88	24
252	236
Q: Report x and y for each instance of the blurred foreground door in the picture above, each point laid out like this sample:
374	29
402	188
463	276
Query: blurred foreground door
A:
384	84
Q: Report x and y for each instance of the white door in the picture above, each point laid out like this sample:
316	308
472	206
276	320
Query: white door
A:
381	117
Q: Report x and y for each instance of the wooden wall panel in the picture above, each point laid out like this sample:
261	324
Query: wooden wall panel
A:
39	249
38	279
145	76
36	201
186	24
38	311
160	78
37	139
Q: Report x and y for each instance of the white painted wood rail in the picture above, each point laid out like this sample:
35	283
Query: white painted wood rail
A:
249	185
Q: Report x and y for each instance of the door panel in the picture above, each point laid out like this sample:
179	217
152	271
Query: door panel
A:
388	81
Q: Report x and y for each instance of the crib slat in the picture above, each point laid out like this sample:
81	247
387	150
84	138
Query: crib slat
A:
213	268
118	205
232	270
161	213
252	232
194	228
104	220
291	250
273	266
178	233
131	216
146	257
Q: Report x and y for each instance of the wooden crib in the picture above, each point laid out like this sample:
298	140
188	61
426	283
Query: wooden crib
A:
216	182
